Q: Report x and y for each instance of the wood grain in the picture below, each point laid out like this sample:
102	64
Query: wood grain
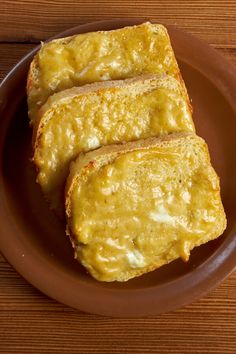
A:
32	323
31	20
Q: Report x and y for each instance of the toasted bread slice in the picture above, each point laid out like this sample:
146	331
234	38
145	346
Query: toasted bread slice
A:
84	118
98	56
135	207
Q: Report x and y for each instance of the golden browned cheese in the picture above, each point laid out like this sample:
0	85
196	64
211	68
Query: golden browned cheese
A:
98	56
84	122
144	209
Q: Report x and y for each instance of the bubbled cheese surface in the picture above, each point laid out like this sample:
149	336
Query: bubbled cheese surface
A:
101	118
143	210
99	56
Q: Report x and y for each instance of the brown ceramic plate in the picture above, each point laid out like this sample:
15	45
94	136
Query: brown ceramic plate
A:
33	240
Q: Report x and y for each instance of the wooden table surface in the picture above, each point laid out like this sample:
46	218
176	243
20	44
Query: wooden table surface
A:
30	322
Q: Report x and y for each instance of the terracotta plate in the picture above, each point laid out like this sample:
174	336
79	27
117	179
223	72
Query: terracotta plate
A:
33	240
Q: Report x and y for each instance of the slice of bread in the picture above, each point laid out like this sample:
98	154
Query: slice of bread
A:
84	118
135	207
98	56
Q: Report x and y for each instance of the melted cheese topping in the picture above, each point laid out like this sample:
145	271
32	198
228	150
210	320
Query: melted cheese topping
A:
95	120
143	210
99	56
